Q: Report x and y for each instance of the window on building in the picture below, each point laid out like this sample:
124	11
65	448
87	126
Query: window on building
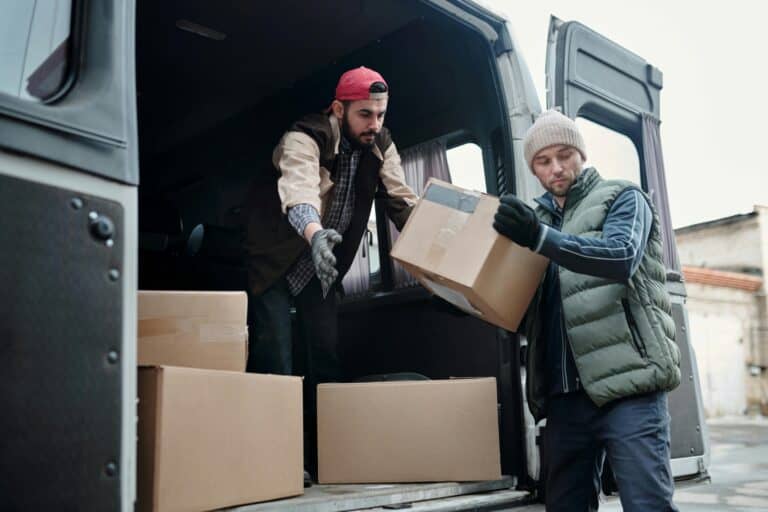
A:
611	153
34	47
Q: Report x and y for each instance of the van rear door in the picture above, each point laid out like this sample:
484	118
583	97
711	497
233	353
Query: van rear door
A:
68	180
591	77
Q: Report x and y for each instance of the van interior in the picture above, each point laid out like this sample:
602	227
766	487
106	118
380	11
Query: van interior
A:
219	83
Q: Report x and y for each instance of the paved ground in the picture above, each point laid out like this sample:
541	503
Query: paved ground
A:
739	471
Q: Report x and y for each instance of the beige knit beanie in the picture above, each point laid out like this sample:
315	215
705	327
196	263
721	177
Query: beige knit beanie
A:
550	128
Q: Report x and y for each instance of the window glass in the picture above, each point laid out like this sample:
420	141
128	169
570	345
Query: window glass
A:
34	47
465	164
611	153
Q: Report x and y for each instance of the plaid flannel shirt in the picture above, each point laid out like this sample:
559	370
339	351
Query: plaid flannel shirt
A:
337	216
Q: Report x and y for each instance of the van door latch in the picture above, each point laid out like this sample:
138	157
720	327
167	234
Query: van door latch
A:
101	226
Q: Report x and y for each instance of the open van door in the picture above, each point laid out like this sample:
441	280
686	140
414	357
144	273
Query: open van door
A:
591	77
68	181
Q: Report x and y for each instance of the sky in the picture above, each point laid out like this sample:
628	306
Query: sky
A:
713	107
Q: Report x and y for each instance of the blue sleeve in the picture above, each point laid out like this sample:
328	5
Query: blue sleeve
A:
617	254
301	215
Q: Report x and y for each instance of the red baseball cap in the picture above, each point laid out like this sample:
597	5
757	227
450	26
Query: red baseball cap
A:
356	83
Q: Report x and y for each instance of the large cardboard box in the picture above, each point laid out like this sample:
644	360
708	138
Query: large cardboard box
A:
210	439
193	329
408	431
450	246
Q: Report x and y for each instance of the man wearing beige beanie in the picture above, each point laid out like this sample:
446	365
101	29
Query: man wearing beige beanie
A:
601	349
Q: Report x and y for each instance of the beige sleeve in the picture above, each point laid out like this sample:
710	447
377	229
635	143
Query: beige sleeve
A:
297	156
400	196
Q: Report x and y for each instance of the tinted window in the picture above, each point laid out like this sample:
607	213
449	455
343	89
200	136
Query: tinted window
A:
34	44
465	164
611	153
373	247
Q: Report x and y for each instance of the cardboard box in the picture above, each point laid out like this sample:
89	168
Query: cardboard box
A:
209	439
193	329
450	246
408	431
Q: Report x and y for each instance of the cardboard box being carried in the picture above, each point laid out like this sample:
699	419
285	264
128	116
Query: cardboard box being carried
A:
408	431
210	439
450	246
193	329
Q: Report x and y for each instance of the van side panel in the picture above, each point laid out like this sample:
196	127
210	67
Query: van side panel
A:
67	370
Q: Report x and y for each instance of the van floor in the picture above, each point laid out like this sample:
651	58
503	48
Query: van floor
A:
426	497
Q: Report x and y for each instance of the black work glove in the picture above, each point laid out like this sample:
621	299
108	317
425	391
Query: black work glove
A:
323	242
517	221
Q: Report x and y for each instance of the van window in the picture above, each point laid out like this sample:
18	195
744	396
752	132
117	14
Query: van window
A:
465	164
373	244
34	44
611	153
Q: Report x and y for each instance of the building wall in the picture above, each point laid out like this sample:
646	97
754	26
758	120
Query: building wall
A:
735	246
762	332
762	236
729	327
721	321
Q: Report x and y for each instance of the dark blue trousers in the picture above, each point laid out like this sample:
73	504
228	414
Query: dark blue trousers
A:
271	334
633	433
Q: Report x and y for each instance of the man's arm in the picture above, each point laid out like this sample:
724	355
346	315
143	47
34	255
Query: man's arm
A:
298	159
400	198
305	220
615	255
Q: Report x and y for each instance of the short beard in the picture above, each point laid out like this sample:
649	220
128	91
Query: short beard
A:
576	175
564	194
355	142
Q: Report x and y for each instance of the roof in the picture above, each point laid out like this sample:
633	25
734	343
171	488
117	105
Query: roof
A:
737	280
723	221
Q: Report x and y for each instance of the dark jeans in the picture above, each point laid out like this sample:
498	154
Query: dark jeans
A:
271	344
632	432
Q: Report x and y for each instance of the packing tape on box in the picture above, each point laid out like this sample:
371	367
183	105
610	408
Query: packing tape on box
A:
204	331
462	200
463	203
444	236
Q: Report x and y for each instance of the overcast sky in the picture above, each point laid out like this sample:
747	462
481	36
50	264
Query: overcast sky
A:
713	107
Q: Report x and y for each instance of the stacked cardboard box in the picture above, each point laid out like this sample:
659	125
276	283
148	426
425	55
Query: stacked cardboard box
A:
210	435
193	329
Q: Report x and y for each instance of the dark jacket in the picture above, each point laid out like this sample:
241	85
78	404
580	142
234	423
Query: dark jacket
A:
304	163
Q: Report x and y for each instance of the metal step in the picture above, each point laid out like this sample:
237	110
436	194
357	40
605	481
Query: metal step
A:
496	500
342	498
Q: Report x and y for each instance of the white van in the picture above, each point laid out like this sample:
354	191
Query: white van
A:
124	125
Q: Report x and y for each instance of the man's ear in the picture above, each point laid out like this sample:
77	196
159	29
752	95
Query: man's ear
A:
337	108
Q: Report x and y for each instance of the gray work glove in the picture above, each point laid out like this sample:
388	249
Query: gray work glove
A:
322	256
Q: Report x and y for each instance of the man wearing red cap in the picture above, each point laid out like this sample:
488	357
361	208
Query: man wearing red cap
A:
305	224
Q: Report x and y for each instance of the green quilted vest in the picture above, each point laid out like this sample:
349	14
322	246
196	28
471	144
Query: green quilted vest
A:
621	333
